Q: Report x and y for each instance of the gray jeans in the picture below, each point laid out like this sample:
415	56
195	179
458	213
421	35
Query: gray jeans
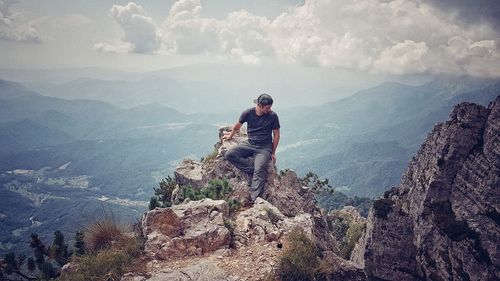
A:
253	160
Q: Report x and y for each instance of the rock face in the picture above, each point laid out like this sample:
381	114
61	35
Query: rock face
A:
443	222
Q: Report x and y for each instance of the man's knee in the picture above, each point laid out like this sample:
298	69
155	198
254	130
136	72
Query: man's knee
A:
231	155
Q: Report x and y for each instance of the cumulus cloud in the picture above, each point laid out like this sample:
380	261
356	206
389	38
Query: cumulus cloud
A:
241	35
141	34
14	27
188	33
382	36
403	57
398	37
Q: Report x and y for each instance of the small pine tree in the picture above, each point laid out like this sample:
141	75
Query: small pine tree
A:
153	203
59	250
20	259
10	263
313	181
48	270
164	192
79	243
31	264
39	250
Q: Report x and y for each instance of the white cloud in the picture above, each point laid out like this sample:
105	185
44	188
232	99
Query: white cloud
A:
14	27
188	33
141	34
479	58
398	37
403	57
382	36
241	35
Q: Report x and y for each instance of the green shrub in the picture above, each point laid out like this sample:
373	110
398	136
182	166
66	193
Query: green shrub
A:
234	205
216	189
106	264
347	232
164	191
153	203
300	258
313	181
79	243
354	232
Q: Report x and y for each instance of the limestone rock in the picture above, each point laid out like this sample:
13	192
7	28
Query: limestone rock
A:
442	222
189	172
188	229
264	222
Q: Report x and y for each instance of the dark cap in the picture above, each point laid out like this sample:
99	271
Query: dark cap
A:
264	99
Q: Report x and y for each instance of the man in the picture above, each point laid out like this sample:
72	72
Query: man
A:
253	156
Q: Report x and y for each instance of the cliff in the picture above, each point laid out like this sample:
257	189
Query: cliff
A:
442	222
205	240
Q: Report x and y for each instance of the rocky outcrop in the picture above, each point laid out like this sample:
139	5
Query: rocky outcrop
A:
283	190
189	172
201	240
443	222
188	229
264	222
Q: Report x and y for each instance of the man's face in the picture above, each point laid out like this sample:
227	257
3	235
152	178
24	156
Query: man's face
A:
265	108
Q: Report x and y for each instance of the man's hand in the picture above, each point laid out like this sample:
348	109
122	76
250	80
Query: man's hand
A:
227	136
273	158
234	130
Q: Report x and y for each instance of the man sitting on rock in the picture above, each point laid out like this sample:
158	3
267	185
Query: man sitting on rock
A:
253	156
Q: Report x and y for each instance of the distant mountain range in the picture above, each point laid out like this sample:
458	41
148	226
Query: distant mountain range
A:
362	143
60	158
199	88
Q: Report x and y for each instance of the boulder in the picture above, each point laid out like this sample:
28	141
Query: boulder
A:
188	229
189	172
264	222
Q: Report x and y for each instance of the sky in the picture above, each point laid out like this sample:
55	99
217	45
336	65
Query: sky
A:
380	37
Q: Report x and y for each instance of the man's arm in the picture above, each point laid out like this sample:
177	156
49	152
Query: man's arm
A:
276	140
236	129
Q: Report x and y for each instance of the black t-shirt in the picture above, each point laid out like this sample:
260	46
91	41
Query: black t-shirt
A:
259	127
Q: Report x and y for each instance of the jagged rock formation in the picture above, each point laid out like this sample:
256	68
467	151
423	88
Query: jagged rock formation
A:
201	240
442	222
283	190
